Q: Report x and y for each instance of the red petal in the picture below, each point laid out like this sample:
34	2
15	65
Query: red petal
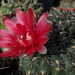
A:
31	17
32	34
25	42
5	39
19	15
7	34
25	19
18	54
22	29
41	49
6	44
45	25
9	53
41	20
44	30
10	25
42	40
14	19
31	51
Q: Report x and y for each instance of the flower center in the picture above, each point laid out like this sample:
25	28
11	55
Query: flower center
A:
25	41
28	37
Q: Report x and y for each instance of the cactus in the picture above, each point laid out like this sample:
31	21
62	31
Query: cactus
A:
59	59
11	5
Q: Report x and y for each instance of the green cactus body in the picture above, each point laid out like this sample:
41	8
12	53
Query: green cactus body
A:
35	65
59	59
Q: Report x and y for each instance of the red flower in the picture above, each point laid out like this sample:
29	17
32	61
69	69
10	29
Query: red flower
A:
23	35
